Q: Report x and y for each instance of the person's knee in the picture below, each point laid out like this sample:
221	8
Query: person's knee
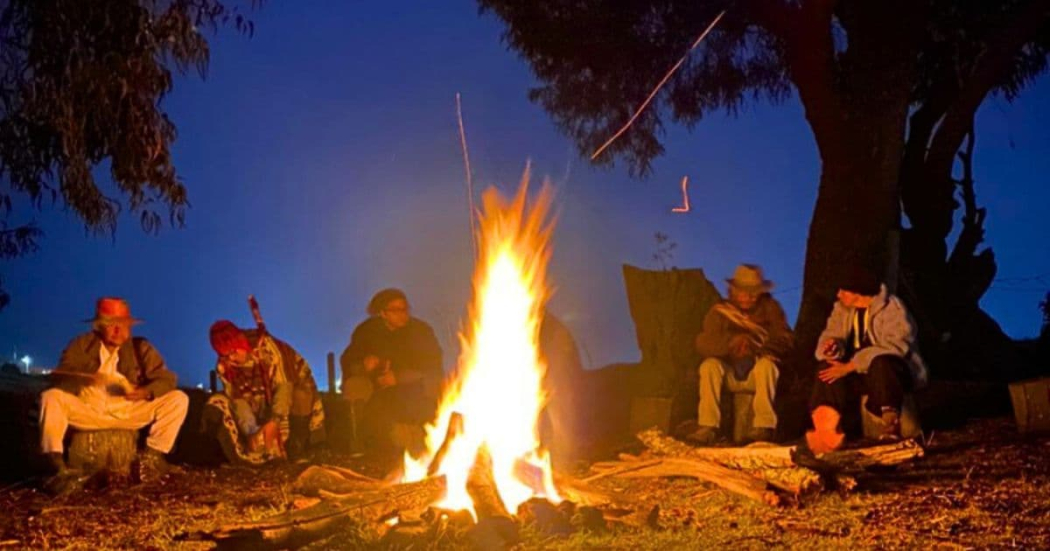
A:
884	366
178	399
711	367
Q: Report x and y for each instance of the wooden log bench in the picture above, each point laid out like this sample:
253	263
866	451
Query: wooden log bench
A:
113	451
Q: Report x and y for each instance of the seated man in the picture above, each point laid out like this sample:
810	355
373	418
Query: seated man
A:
270	407
742	340
393	364
107	379
868	347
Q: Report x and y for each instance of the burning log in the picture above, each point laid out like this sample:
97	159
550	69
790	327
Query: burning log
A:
481	486
311	523
455	429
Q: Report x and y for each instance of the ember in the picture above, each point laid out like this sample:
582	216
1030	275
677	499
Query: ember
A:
497	389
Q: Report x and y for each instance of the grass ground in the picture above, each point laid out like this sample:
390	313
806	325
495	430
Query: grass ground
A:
980	486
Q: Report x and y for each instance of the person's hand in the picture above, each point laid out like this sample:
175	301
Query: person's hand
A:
386	378
138	394
836	371
740	346
831	349
371	363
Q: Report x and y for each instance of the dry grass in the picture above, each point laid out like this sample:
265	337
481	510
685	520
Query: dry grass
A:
982	486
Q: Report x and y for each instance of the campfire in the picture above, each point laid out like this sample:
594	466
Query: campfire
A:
485	471
486	424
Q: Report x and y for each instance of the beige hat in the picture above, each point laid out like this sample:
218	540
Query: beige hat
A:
748	277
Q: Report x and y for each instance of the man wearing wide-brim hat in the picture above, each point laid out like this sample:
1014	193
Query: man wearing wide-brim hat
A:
743	339
107	379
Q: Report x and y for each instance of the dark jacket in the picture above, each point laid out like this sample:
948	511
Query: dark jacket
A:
138	362
413	351
713	341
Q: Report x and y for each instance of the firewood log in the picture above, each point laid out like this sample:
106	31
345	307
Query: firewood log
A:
481	486
296	528
708	471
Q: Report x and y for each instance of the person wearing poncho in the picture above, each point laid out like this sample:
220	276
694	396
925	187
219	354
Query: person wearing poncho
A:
270	406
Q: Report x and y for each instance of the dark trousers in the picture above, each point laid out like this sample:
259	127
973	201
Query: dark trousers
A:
406	404
885	383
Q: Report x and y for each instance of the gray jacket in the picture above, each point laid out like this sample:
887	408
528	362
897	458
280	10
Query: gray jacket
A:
892	331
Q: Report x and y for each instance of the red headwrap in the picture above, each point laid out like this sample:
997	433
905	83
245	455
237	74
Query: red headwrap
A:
227	337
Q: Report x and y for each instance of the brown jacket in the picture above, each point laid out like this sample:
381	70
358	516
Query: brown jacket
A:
138	361
713	341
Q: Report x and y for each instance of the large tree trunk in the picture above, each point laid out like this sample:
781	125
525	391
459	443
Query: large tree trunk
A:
856	218
859	125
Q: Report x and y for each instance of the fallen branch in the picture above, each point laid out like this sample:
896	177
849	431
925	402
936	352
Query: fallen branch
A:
328	480
750	457
627	467
708	471
299	527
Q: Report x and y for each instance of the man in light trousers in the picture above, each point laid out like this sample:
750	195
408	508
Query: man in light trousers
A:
742	339
108	380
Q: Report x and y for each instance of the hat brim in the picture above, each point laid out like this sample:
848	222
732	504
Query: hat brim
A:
764	287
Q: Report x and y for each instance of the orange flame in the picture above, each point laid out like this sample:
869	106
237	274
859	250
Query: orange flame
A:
498	384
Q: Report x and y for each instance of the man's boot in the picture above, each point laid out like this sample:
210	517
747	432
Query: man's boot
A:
891	425
153	466
825	436
703	436
762	434
64	480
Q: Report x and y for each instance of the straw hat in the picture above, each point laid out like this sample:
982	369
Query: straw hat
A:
748	277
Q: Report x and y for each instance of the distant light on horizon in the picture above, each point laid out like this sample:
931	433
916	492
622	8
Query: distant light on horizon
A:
26	361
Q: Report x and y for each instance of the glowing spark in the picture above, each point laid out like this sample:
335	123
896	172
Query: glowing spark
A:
658	86
470	178
685	196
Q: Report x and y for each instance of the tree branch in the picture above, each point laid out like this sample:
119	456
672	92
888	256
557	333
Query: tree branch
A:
989	70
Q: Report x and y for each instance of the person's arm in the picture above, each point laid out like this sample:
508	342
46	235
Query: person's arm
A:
896	336
71	375
713	340
282	400
834	330
780	339
352	359
227	388
159	379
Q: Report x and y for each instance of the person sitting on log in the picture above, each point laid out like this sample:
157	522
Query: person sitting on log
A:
393	365
868	347
742	341
270	407
106	379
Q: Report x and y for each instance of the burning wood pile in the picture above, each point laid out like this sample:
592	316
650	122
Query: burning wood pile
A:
485	471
